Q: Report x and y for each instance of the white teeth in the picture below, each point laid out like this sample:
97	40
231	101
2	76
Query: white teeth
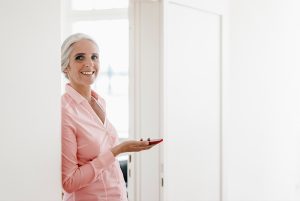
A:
87	72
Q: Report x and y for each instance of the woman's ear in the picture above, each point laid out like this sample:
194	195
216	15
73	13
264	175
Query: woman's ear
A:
66	72
66	69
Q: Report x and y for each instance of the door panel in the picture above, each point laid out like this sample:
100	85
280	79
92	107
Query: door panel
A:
192	104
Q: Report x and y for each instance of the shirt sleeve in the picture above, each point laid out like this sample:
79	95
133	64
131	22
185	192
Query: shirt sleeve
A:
75	176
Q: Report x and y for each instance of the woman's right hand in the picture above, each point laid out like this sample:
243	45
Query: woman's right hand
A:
131	146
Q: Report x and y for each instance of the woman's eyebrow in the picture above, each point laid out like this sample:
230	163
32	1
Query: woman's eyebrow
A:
79	54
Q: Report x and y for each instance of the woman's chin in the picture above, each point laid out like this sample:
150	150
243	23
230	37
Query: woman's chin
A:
90	81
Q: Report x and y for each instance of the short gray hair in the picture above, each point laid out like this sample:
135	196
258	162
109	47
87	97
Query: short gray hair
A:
66	47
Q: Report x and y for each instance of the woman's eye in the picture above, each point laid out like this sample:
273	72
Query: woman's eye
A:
94	57
79	57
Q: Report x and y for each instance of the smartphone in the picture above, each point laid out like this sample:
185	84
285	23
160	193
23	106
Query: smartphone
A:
155	141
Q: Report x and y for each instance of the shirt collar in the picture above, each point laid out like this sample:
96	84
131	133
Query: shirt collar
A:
76	96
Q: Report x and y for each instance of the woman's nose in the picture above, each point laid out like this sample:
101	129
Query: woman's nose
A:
89	63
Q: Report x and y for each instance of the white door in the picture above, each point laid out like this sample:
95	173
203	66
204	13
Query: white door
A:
192	103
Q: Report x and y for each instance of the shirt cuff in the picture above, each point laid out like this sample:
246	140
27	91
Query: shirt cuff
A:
103	161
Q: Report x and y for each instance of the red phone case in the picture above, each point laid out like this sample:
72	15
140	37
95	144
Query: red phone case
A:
155	141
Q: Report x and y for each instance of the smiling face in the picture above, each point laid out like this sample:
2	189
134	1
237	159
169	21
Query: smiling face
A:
83	63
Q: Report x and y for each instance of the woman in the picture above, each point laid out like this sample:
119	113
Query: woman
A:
90	171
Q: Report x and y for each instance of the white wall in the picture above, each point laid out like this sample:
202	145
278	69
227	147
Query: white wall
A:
262	102
30	100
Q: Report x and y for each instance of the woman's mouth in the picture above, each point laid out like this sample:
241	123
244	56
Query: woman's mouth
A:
87	72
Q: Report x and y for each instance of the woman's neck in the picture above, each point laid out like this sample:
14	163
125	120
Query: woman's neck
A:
84	91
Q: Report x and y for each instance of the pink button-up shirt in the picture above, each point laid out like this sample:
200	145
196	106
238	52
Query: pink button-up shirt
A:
90	172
